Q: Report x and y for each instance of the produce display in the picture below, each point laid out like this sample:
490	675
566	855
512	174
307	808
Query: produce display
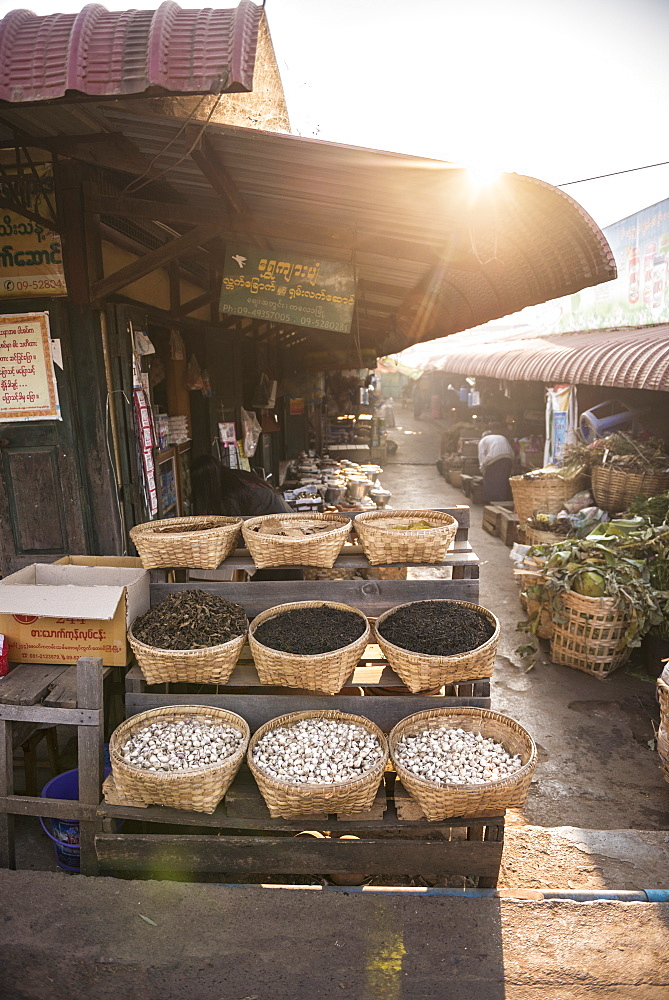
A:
308	631
190	619
181	746
403	525
439	628
181	529
644	454
317	751
294	529
455	756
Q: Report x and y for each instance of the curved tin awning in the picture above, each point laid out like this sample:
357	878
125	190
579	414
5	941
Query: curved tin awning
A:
632	358
97	52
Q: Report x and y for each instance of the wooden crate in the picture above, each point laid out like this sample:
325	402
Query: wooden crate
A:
393	839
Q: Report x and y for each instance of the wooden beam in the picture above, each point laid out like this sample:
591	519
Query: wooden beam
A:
126	243
213	170
296	856
11	206
197	303
153	260
154	211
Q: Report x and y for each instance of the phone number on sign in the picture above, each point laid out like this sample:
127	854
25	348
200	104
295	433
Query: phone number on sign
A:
33	284
280	317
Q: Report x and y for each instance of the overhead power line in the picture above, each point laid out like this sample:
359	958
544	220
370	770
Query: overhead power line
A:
615	173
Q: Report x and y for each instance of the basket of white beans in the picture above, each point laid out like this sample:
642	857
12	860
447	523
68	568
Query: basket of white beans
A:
463	761
311	763
181	756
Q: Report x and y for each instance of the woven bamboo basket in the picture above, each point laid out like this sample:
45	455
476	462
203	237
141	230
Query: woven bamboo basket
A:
422	672
198	790
323	672
386	545
590	636
531	606
535	537
663	696
455	478
545	494
289	801
614	489
315	550
663	749
203	544
211	665
440	802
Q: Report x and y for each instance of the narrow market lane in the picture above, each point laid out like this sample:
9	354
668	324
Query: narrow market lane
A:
597	770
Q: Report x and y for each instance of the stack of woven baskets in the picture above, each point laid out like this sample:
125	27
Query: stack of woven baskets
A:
588	634
545	494
663	731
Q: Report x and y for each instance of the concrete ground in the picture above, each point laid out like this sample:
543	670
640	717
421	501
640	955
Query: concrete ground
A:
103	939
596	817
598	781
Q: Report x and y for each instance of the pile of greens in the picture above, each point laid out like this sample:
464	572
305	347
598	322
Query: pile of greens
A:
627	560
618	451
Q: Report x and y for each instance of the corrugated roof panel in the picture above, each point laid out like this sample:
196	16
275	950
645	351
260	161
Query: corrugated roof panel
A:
108	53
634	358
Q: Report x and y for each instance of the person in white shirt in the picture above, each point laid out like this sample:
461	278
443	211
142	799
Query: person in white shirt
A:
495	459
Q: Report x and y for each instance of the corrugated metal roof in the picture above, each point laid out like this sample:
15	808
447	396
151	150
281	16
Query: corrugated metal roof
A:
97	52
633	358
432	255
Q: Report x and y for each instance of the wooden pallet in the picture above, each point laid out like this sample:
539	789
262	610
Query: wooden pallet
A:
391	839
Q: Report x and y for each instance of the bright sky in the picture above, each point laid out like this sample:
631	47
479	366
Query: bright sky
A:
557	89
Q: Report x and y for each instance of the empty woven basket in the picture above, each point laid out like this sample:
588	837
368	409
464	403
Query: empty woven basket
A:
588	634
202	543
197	790
440	802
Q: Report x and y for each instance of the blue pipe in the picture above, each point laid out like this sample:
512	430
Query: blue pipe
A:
575	895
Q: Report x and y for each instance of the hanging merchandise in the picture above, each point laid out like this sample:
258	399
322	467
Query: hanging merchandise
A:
251	431
269	422
264	395
177	349
561	422
143	343
145	444
206	384
194	378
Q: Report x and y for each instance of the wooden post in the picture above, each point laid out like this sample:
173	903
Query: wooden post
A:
90	746
7	852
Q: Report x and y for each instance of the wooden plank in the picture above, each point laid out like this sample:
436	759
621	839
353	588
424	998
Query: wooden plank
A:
353	559
90	755
407	807
7	844
260	708
52	716
372	597
243	800
295	856
156	211
153	260
27	683
27	805
63	694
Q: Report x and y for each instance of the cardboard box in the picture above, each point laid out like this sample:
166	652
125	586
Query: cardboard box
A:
78	606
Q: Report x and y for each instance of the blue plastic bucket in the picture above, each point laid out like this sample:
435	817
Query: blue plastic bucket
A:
64	833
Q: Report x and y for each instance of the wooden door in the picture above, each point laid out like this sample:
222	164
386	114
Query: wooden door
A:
43	511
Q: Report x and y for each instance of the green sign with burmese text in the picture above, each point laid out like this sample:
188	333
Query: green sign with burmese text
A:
285	288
